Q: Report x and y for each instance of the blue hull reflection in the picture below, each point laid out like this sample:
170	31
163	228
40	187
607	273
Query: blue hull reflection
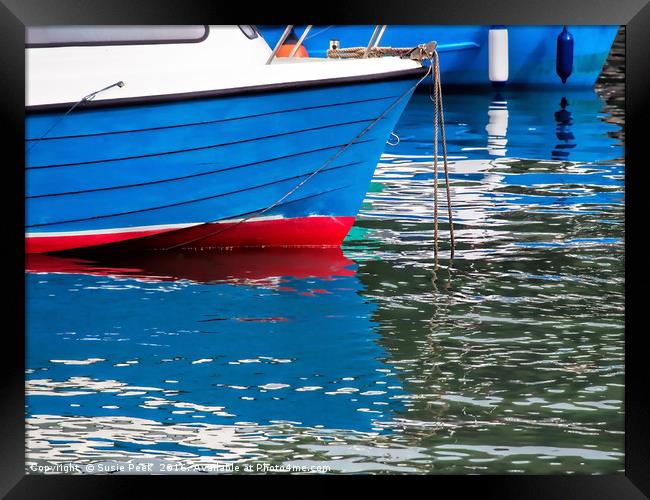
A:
563	125
254	336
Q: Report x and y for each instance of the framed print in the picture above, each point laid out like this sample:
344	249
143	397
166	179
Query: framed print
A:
325	250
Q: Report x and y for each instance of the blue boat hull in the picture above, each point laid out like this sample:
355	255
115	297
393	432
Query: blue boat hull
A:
130	172
464	49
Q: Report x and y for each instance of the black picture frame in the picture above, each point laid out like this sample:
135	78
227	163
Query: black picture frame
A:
16	14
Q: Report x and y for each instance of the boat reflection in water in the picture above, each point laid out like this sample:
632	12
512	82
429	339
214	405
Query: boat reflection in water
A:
497	126
563	132
507	165
252	266
222	340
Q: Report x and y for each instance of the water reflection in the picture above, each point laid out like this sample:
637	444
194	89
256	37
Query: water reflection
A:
263	337
245	266
497	126
563	132
520	124
512	361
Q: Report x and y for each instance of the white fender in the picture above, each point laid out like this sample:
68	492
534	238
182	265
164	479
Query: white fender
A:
498	54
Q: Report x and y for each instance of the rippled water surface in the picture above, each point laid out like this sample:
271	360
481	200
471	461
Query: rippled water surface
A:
508	359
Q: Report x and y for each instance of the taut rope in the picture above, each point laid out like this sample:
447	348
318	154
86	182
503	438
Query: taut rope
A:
84	99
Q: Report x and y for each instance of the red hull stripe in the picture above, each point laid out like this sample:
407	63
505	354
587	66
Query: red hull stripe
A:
295	232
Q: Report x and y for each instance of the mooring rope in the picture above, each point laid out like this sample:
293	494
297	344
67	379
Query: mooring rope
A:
439	124
357	52
444	156
305	180
436	120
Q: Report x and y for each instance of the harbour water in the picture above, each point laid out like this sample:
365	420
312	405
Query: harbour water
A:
367	359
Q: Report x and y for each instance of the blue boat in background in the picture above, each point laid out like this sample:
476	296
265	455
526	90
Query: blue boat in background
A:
464	50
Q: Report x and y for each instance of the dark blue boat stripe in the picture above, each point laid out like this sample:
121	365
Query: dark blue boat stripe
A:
191	201
162	181
321	127
211	121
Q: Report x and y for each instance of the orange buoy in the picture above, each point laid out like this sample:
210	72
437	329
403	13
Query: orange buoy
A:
287	48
